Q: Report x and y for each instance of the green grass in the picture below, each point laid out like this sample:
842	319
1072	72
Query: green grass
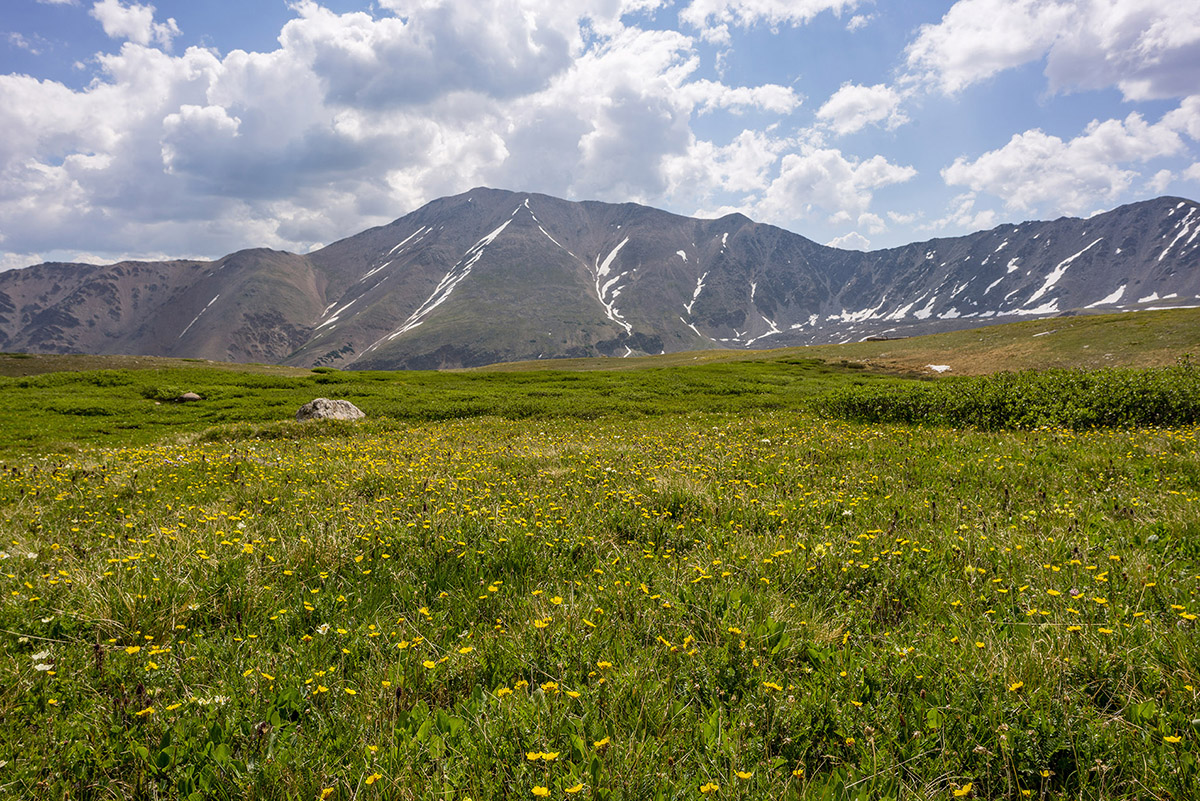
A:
890	611
1068	398
56	412
610	585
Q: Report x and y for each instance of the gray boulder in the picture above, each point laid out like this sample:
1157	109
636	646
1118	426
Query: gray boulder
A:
326	409
188	397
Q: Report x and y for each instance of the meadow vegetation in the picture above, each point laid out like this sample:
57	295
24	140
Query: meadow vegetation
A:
701	582
59	411
1074	399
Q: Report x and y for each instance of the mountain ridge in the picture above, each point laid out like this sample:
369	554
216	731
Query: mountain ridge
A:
492	275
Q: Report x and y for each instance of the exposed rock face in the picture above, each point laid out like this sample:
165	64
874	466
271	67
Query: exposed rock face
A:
490	276
326	409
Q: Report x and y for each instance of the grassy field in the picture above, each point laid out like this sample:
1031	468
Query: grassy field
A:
60	411
684	582
1134	339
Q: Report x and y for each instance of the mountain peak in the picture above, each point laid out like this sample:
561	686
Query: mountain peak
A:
493	275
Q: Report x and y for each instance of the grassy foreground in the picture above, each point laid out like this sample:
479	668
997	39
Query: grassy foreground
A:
762	604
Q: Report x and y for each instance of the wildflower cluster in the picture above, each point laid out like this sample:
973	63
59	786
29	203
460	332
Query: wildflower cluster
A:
770	607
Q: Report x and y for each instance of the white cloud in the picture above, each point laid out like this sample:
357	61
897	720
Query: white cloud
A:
872	223
1159	182
355	119
1186	118
850	241
709	96
19	41
1147	48
963	216
1192	173
853	107
859	21
713	18
134	22
1036	169
489	46
706	169
824	179
979	38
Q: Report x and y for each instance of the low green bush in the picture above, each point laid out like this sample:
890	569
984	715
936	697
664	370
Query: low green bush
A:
1075	399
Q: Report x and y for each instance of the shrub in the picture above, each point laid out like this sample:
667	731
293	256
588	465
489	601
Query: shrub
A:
1068	398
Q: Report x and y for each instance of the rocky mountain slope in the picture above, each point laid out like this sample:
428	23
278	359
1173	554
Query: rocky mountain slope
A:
492	275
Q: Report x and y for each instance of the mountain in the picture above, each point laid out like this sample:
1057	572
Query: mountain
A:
491	275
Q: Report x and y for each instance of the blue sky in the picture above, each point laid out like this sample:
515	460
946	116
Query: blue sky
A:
193	129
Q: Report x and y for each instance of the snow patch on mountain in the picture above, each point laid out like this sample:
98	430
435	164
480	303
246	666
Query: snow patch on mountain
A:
369	273
696	292
1108	299
607	300
336	315
927	312
406	239
1184	226
197	317
446	286
1059	270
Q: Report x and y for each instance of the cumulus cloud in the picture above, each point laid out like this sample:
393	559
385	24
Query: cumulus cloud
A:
979	38
872	223
356	118
488	46
1148	49
963	215
824	179
1159	182
709	96
134	22
1035	169
903	218
1186	118
705	169
850	241
713	18
853	107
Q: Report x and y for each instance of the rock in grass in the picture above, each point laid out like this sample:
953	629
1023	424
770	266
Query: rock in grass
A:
188	397
325	409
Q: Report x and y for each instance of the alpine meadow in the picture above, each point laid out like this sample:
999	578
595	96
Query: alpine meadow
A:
604	400
768	576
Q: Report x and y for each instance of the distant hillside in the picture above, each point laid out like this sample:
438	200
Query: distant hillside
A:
1132	339
495	276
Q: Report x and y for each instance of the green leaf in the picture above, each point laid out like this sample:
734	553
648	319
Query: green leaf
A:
423	732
